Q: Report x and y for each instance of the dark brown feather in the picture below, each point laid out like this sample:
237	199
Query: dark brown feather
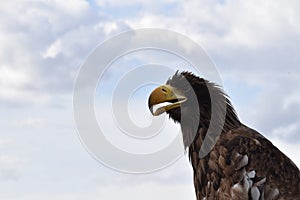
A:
242	164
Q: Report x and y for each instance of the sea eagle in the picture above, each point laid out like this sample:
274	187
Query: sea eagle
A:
242	164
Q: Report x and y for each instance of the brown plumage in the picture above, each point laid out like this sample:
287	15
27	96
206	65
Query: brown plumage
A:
242	164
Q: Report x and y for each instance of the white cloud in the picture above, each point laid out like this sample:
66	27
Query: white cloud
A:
13	78
73	7
233	24
290	131
148	191
54	49
110	27
5	143
145	191
31	122
43	47
10	167
14	83
132	2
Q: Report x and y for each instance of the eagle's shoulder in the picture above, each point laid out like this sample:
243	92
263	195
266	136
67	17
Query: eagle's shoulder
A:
249	166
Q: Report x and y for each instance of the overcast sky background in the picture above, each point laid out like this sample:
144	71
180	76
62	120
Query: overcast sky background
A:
254	44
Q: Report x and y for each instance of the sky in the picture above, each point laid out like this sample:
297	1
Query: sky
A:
254	45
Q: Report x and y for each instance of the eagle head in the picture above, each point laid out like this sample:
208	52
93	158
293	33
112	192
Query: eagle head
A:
186	98
191	100
183	95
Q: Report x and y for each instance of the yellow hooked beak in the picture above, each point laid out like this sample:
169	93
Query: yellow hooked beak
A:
162	95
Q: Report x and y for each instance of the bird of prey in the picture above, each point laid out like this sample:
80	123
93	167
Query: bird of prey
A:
241	163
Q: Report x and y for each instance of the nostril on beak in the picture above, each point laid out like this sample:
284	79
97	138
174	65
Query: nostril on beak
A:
164	90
